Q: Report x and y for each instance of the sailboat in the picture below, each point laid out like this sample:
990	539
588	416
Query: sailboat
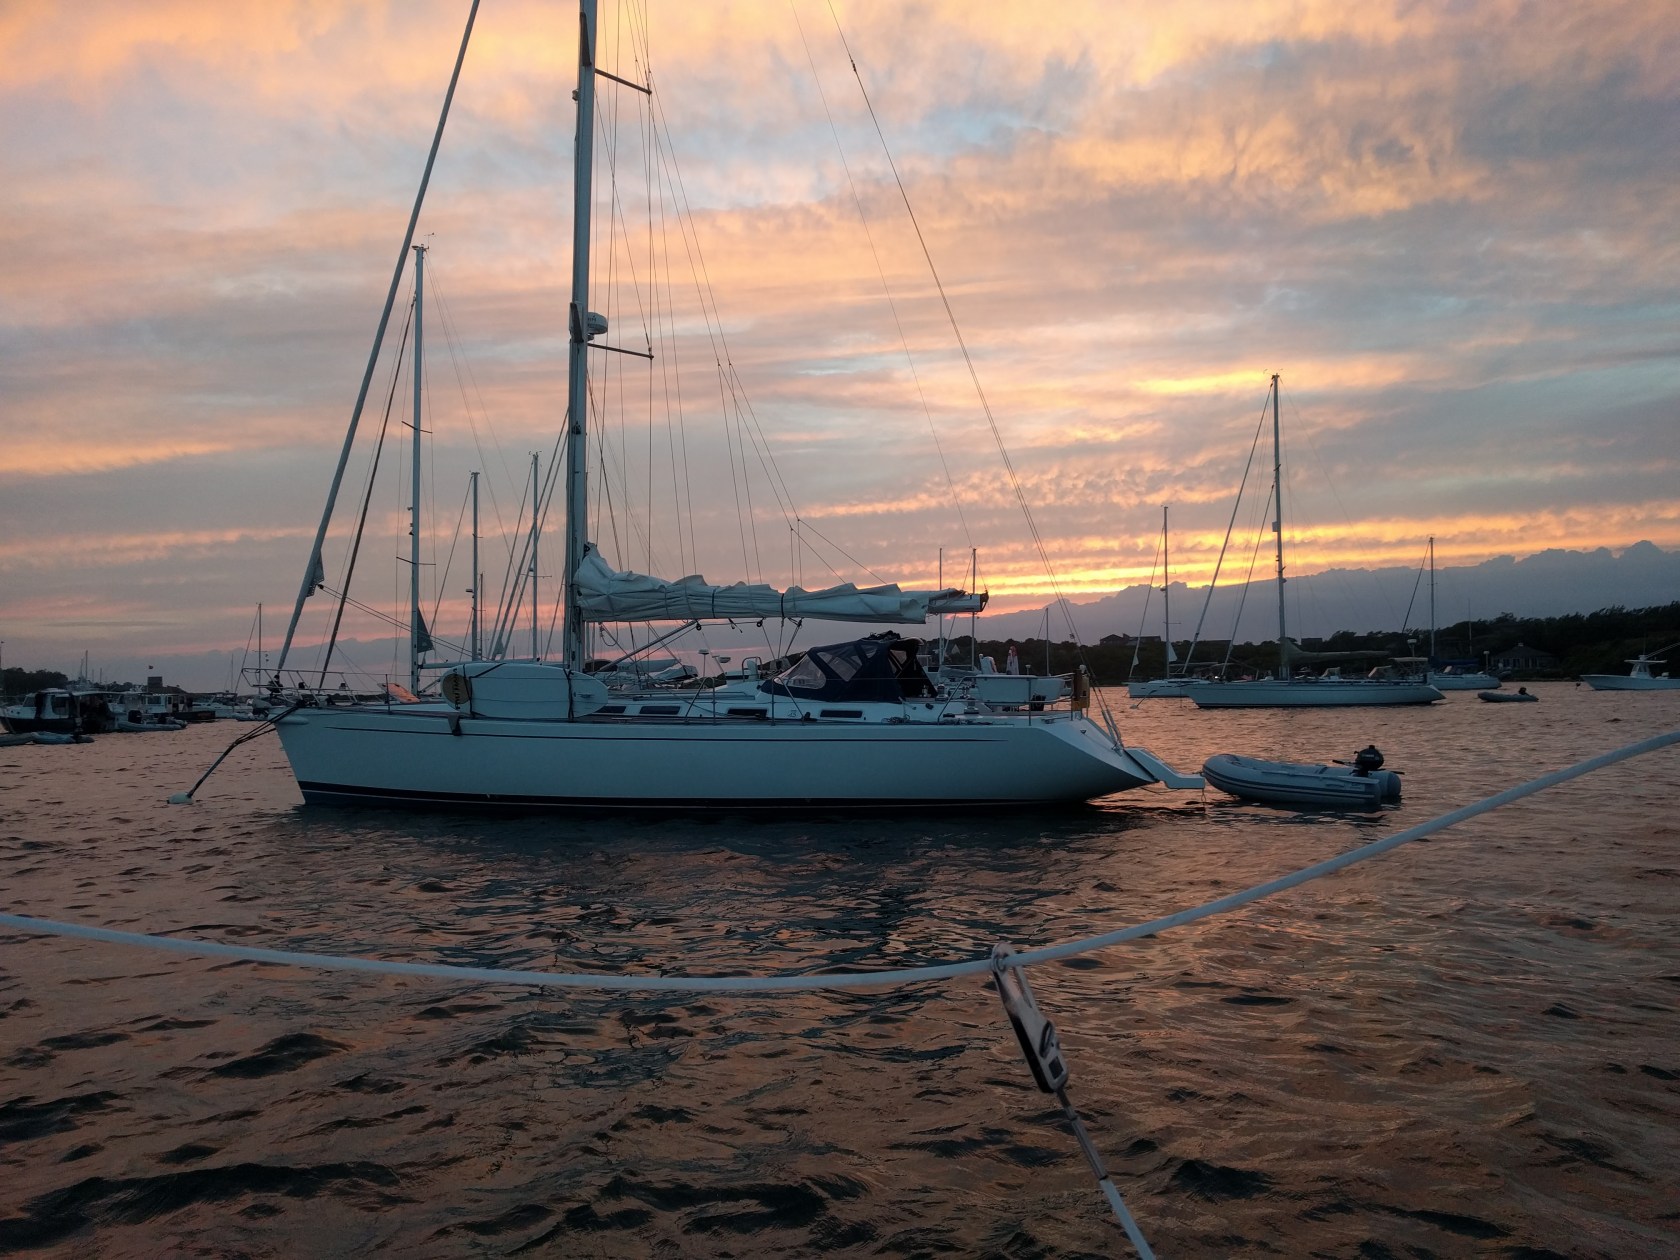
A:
1285	691
1449	679
1172	684
851	725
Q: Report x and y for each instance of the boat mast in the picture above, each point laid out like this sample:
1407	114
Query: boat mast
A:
476	583
536	528
1166	607
314	573
1284	670
1432	599
577	367
973	615
416	630
939	660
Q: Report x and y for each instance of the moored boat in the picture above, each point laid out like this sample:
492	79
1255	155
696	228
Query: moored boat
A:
853	725
1639	677
1522	695
1163	688
1450	680
1451	677
1312	693
1177	683
60	711
856	725
1363	785
1286	690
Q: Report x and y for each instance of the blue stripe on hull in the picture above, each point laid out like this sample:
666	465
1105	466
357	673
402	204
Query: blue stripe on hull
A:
398	798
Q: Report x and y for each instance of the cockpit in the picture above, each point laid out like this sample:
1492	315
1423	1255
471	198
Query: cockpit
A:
882	669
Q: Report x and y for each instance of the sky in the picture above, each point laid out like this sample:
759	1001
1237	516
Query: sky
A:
1448	227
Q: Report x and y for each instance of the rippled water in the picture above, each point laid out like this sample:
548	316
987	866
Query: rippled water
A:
1470	1047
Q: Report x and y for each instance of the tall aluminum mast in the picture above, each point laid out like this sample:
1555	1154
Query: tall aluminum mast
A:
476	580
577	366
1277	526
416	625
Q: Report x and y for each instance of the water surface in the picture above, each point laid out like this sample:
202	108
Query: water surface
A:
1470	1047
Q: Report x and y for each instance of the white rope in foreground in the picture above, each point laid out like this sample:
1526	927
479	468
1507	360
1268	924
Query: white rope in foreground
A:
839	980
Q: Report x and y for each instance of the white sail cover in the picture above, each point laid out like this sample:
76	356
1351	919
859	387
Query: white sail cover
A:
605	594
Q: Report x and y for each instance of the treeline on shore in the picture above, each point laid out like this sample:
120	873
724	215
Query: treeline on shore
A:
1578	643
26	682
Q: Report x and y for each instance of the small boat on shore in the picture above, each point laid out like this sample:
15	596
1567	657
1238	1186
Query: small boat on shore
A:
1522	695
1363	785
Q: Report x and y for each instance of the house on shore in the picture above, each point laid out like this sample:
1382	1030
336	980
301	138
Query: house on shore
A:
1523	659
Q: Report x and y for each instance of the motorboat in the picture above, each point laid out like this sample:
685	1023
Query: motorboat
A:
59	711
1640	676
156	711
1360	785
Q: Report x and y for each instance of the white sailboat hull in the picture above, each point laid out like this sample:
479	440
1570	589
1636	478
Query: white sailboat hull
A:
1165	688
1463	682
423	755
1312	693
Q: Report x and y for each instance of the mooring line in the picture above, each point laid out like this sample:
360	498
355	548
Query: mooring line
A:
840	980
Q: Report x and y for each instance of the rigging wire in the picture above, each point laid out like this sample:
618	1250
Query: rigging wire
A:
390	619
1417	583
973	371
1143	619
1247	586
449	563
1236	504
880	269
705	292
1347	519
463	367
367	495
314	565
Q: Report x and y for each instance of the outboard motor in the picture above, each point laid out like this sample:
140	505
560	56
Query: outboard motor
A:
1367	759
1367	763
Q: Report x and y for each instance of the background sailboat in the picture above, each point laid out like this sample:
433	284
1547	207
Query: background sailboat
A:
1286	691
1448	679
1175	683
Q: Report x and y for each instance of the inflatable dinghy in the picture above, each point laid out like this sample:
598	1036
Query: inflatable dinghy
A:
1362	785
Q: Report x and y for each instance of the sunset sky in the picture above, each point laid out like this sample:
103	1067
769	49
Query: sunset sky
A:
1451	227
